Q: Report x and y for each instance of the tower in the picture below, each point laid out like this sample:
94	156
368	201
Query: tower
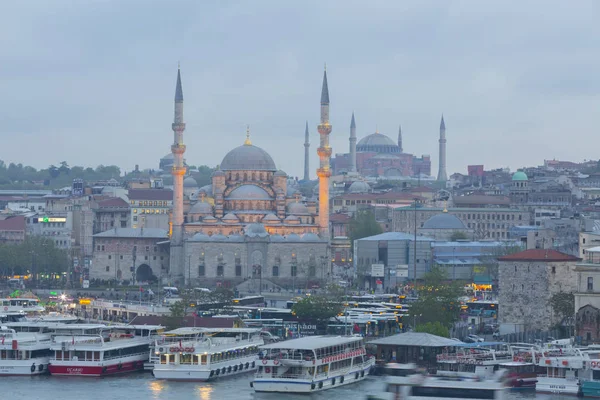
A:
352	144
178	171
324	152
400	138
442	176
306	154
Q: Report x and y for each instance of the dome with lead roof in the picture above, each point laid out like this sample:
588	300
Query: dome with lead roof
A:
249	192
190	182
201	207
248	158
444	221
378	143
297	208
359	187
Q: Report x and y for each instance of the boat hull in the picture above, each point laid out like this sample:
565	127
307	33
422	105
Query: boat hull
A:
557	385
591	389
24	367
96	369
203	373
309	385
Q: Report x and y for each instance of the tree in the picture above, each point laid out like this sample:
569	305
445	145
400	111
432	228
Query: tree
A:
438	299
64	168
434	328
180	308
563	304
363	224
218	296
458	235
318	308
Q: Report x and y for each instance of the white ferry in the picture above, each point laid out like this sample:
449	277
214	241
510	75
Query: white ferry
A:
563	365
311	364
99	350
18	304
23	353
202	354
423	387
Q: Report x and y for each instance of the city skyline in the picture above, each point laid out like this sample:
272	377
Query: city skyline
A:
504	84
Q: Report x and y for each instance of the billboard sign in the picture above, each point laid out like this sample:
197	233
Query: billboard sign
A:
377	270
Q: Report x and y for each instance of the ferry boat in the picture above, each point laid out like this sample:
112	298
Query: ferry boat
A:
23	353
99	350
312	364
562	367
18	304
589	377
423	387
522	372
201	354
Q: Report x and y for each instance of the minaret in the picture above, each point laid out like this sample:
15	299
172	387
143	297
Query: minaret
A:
400	138
324	152
178	171
442	176
352	144
306	154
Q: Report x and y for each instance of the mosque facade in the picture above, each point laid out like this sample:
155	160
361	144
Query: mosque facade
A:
249	224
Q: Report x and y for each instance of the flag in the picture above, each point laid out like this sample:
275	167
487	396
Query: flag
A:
141	289
73	340
180	345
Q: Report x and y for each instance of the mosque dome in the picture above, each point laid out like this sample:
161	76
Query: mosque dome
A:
230	218
249	192
255	230
310	237
200	237
277	238
206	189
218	237
201	207
444	221
359	187
292	237
378	143
271	219
297	208
291	191
520	176
248	157
190	182
280	173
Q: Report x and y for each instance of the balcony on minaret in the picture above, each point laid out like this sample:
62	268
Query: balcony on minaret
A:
324	151
324	172
178	171
178	126
178	148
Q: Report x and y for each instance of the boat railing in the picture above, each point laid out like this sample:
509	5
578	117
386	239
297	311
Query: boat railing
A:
287	375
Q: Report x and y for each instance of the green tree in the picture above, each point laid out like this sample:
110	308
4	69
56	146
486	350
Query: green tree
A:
435	328
563	304
318	308
438	299
458	235
181	308
219	295
53	171
363	224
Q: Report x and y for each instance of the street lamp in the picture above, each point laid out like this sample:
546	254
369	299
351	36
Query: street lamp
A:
415	247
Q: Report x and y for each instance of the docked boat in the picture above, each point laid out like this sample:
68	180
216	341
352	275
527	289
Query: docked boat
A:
312	364
589	377
521	371
99	350
422	387
23	353
201	354
562	366
28	305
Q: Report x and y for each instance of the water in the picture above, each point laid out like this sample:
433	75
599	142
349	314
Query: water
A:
144	386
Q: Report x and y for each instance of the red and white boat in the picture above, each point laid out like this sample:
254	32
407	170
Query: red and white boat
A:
99	350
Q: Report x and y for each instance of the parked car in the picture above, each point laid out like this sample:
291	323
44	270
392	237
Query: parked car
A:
475	338
268	337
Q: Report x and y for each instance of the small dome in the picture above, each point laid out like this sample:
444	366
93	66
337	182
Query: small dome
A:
291	191
190	182
168	156
249	192
248	157
271	219
209	218
359	187
201	207
206	189
444	221
292	220
230	218
277	238
218	173
297	208
235	238
200	237
256	230
310	237
520	176
218	237
292	237
280	173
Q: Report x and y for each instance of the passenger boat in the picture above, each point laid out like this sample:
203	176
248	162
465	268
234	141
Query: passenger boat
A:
589	377
311	364
21	304
201	354
23	353
422	387
99	350
522	372
562	367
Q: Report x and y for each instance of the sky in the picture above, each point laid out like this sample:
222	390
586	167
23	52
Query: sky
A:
92	82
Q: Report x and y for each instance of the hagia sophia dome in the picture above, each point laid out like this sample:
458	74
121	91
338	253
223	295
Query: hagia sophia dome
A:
378	143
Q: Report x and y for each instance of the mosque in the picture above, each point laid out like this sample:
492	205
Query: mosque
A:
249	223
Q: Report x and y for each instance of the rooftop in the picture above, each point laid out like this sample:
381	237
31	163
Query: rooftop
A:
150	194
416	339
16	223
312	342
397	236
115	202
547	255
134	233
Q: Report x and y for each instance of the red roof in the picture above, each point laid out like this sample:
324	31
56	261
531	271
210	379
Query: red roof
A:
113	203
16	223
150	194
547	255
339	218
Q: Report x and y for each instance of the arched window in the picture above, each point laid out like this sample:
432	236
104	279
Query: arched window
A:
245	176
220	270
237	176
253	176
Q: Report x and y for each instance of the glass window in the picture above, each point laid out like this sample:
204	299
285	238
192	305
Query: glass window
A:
590	283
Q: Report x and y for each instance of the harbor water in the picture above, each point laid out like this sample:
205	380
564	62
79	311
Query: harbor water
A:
144	386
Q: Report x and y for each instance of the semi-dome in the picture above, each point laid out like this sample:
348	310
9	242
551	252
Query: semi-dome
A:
248	157
190	182
249	192
310	237
292	237
280	173
444	221
207	189
520	176
230	218
297	208
359	187
255	230
201	207
200	237
377	143
277	238
271	219
218	237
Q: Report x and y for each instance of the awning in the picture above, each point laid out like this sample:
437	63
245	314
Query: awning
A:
482	280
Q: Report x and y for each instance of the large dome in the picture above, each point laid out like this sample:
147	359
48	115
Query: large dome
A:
520	176
377	143
359	187
249	192
444	221
248	157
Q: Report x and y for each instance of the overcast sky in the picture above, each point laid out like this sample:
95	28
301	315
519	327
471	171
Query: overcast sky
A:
92	82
